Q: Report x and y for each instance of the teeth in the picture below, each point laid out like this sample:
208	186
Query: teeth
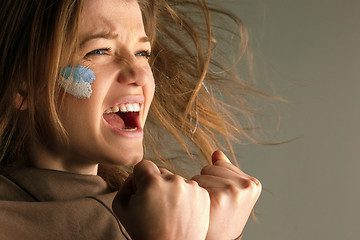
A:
123	108
129	129
115	109
129	107
136	108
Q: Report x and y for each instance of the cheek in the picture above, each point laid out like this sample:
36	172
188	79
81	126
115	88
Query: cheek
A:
77	81
72	112
150	88
151	83
148	91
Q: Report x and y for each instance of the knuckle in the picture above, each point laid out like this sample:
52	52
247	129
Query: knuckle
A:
193	183
233	189
144	167
176	179
152	180
219	199
178	182
222	163
144	163
206	169
247	183
162	169
145	177
219	163
150	184
252	186
258	184
196	178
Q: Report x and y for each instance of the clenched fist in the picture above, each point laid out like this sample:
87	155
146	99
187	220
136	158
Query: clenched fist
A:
153	203
233	195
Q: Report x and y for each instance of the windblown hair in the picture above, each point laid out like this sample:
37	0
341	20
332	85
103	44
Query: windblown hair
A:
33	43
38	37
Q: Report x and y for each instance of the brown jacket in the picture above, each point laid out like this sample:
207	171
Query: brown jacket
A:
47	204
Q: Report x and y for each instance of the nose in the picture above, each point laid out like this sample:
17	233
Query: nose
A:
133	73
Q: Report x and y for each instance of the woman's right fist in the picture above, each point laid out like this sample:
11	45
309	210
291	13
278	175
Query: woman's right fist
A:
154	203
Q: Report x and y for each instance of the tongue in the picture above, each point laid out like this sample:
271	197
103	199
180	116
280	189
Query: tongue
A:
114	120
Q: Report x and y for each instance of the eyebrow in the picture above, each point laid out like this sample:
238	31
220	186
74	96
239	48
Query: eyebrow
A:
107	35
144	39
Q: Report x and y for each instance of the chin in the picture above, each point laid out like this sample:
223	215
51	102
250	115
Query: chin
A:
126	157
132	160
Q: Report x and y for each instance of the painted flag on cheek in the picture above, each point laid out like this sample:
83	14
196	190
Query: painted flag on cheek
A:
77	81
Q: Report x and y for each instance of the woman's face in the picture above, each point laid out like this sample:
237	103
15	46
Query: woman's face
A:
115	47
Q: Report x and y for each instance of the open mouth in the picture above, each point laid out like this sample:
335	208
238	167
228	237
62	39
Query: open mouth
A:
124	117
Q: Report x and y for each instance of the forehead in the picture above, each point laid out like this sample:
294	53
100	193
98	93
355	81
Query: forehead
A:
111	16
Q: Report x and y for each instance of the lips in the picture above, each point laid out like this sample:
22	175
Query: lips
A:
123	116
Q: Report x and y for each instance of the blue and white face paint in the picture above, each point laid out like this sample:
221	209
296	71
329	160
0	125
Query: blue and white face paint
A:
77	81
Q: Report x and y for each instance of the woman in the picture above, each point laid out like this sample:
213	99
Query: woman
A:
77	82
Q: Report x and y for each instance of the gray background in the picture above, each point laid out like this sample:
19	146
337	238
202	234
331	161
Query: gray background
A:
308	52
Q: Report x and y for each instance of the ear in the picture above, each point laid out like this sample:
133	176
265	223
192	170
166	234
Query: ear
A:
20	99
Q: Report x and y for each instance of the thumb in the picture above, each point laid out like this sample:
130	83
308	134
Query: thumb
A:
219	155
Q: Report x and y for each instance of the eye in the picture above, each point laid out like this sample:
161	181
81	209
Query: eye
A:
146	54
102	51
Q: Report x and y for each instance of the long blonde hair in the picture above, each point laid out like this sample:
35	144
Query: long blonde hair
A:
33	40
187	76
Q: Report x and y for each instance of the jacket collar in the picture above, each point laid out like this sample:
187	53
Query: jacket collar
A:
51	185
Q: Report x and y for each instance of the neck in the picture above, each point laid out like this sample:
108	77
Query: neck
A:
67	162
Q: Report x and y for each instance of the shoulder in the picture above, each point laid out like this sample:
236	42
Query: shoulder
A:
11	191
